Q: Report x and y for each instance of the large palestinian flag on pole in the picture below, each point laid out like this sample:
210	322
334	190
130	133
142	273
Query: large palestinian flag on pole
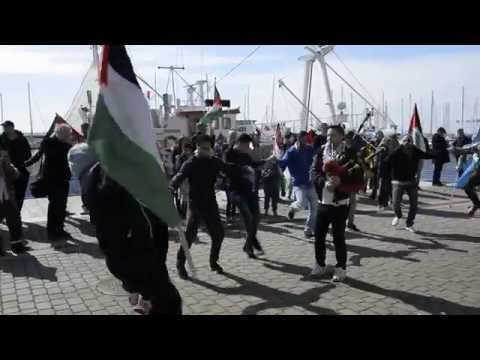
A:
415	130
215	112
122	137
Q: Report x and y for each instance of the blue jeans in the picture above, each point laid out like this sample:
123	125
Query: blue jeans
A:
307	199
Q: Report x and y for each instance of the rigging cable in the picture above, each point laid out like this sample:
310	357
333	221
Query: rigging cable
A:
240	63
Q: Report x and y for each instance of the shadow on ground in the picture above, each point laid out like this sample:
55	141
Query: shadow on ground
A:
272	298
430	304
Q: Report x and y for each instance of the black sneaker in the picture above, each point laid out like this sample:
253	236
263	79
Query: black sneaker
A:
291	214
437	184
217	268
249	252
472	211
19	248
182	272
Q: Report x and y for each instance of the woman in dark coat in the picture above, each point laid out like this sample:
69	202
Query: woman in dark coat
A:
440	151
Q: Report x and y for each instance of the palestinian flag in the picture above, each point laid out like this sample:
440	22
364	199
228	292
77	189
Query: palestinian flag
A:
122	137
58	120
415	130
215	112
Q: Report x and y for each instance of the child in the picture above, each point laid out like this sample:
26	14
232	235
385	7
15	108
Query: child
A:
8	205
271	176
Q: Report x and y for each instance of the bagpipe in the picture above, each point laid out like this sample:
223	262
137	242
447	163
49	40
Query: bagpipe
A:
348	170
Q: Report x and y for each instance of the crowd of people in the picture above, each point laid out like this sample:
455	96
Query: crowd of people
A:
326	171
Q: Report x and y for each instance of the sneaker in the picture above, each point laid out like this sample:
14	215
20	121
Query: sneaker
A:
318	271
339	275
275	213
249	252
257	249
217	268
291	214
437	184
411	229
381	208
353	227
182	272
142	307
58	243
395	221
18	247
472	211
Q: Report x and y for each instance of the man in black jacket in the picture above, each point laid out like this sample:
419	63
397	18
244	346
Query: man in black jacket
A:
440	150
19	151
201	171
334	204
56	173
244	191
134	242
403	165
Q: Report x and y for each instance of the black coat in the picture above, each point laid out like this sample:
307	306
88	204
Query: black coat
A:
55	166
440	149
19	149
134	241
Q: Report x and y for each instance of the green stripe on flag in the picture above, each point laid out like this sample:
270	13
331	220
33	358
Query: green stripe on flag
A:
131	166
209	117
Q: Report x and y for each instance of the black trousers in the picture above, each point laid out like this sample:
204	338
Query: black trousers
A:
9	211
385	190
336	216
231	208
210	215
437	171
271	189
137	259
57	206
250	213
470	189
21	185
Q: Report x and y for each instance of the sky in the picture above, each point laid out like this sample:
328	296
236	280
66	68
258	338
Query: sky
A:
55	74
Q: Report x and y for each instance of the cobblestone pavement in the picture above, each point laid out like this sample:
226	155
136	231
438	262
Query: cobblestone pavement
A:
390	270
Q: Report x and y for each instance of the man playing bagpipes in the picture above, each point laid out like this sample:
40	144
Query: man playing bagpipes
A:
335	173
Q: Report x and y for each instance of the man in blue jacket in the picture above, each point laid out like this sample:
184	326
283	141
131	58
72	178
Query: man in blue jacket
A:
299	159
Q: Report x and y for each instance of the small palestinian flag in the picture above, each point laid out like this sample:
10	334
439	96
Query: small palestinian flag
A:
215	112
415	131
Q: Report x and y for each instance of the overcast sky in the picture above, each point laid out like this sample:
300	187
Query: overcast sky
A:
55	74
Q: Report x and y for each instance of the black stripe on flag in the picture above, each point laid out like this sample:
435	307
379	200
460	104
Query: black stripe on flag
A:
120	62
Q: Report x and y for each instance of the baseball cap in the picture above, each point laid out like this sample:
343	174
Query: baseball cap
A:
8	123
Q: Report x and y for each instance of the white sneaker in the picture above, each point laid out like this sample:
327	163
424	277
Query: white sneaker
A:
411	229
318	270
395	221
339	275
381	208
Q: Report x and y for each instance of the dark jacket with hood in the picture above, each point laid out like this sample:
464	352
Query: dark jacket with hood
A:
19	149
55	167
134	241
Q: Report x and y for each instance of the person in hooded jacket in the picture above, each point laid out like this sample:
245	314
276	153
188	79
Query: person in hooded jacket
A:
134	242
19	151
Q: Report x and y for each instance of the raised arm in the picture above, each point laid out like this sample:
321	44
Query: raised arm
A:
37	156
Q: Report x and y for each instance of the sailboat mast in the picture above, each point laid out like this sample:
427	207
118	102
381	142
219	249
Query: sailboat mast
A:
1	106
273	98
30	109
